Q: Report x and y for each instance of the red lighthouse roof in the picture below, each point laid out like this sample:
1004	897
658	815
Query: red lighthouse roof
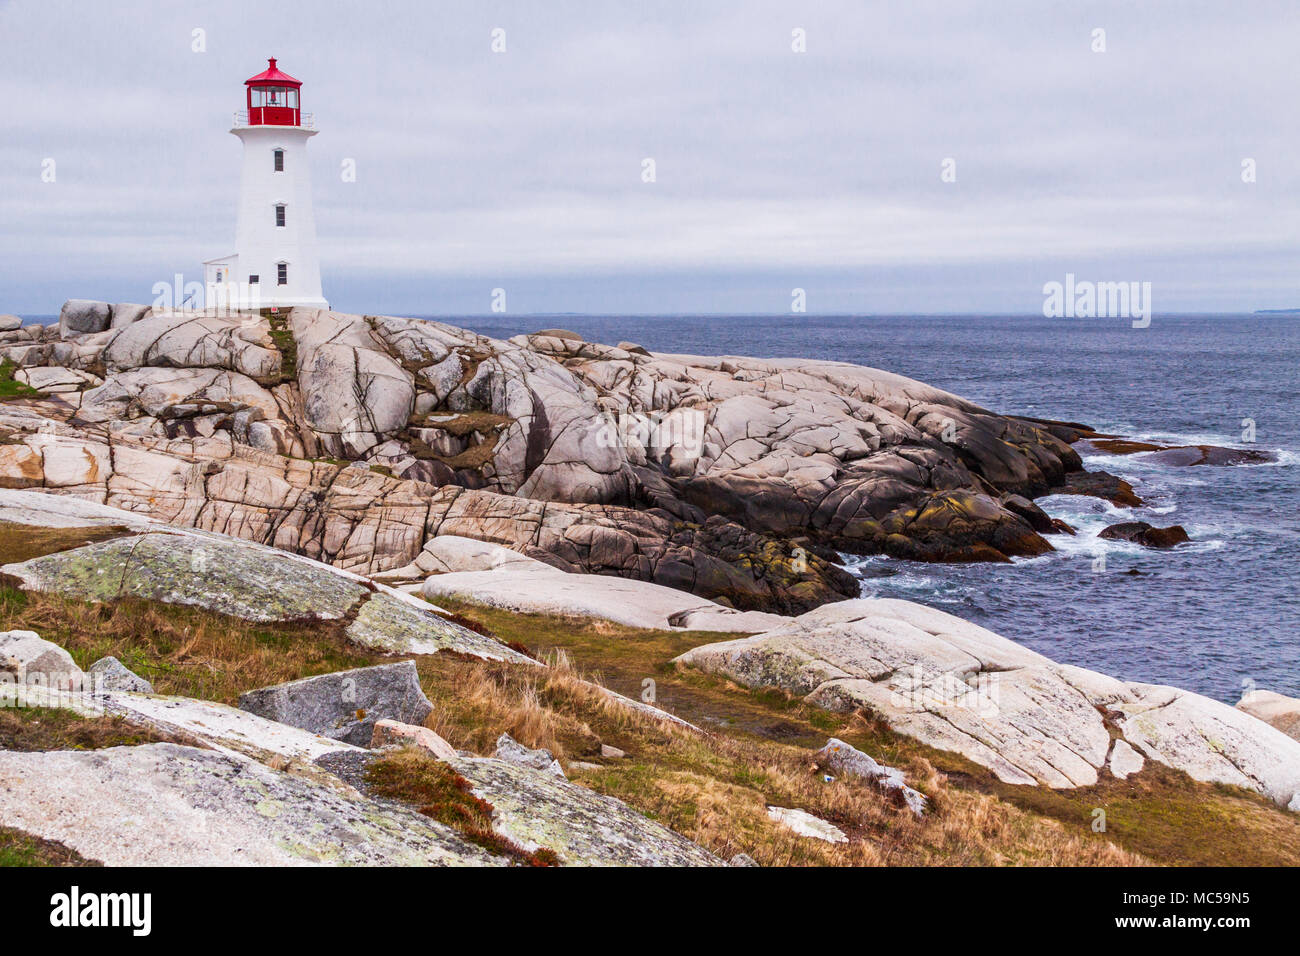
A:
272	76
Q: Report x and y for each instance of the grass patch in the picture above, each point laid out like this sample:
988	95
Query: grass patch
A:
23	849
183	650
20	542
282	337
715	790
40	728
442	794
12	388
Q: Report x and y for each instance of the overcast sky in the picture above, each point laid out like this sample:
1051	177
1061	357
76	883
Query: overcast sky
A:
774	169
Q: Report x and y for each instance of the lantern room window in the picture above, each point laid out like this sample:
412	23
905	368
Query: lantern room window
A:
279	160
282	96
279	214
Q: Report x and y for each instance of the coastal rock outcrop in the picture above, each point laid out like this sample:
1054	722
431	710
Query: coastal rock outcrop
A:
254	582
1141	532
356	439
956	686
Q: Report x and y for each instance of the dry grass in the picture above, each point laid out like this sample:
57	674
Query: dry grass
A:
185	651
718	792
20	542
715	789
442	794
39	728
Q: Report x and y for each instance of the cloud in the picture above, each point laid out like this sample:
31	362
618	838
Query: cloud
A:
820	169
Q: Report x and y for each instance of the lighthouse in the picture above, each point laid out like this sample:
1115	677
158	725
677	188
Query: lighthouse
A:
275	236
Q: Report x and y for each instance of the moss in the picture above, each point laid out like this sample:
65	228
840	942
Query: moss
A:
282	337
11	388
442	794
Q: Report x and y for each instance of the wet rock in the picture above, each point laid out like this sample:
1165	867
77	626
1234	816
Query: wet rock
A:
1100	484
344	705
1184	455
109	673
1191	455
1140	532
511	751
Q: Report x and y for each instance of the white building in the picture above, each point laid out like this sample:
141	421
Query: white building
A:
275	238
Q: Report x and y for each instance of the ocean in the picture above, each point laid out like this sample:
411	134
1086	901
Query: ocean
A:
1216	616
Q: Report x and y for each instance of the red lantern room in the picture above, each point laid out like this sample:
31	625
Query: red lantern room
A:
273	98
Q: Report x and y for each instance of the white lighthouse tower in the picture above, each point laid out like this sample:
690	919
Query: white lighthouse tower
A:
275	238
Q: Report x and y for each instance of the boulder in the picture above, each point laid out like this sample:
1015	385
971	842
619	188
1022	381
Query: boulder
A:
958	687
252	582
394	733
448	553
9	323
171	805
511	751
535	588
1140	532
344	705
83	316
806	825
1274	709
844	759
581	827
108	673
234	343
355	394
26	658
56	381
1124	760
1191	455
129	313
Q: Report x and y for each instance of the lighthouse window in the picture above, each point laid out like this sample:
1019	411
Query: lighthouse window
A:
279	215
279	160
254	280
282	274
